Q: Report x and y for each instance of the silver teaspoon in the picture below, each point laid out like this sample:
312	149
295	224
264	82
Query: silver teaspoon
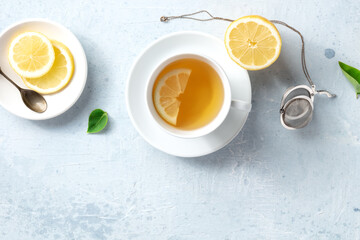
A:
32	99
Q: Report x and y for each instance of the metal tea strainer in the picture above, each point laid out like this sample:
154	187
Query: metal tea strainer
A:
297	103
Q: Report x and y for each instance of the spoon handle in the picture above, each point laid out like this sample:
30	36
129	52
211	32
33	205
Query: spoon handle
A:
2	73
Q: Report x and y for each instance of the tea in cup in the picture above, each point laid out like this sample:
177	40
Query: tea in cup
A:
189	95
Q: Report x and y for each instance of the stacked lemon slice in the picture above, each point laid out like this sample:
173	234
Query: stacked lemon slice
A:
46	66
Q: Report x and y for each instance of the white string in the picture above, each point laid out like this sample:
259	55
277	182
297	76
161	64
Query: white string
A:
211	17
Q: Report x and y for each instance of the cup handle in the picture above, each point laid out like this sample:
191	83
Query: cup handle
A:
241	105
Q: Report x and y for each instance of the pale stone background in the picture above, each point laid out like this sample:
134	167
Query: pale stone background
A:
57	182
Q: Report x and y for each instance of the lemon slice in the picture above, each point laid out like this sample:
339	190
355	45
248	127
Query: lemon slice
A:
31	54
59	75
253	42
167	92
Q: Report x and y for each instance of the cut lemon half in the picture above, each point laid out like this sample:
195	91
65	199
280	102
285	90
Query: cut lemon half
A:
167	92
253	42
59	75
31	54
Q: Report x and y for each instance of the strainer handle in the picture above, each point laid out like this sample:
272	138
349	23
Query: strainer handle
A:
327	93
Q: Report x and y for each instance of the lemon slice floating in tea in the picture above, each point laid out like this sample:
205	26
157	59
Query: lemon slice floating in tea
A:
167	91
253	42
31	54
59	75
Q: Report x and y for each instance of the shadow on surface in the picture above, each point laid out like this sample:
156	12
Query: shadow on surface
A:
267	88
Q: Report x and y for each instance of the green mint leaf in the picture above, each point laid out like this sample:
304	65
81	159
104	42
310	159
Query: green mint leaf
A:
353	75
97	121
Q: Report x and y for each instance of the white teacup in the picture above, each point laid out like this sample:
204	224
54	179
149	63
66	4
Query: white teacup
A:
216	122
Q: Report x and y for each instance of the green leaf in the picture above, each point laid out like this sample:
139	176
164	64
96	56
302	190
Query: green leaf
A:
97	121
353	75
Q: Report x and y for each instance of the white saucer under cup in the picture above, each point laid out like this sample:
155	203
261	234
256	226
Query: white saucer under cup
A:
59	102
165	47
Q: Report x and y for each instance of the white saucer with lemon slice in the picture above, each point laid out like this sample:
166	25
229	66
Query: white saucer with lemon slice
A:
62	84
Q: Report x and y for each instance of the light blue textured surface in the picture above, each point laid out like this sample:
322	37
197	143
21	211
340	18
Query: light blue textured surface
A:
57	182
